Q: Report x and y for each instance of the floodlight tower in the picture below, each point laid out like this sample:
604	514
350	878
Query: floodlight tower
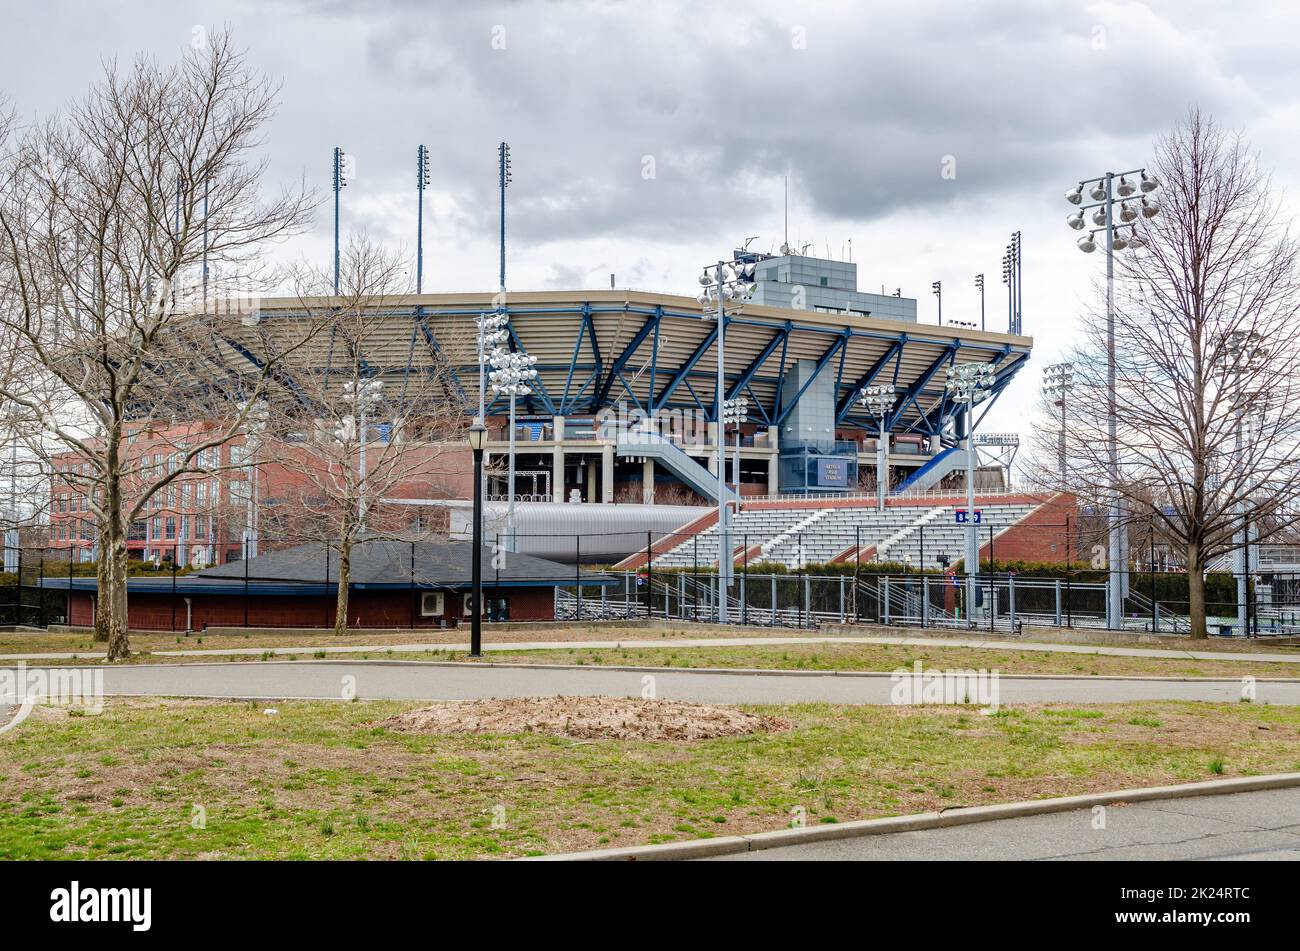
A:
979	286
727	284
967	384
513	376
735	413
362	397
936	288
1246	352
1058	382
878	401
1102	190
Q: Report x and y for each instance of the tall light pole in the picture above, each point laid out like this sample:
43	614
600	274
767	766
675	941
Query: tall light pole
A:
477	437
979	285
513	376
936	288
1246	351
967	384
421	182
340	183
1102	190
728	284
1058	381
878	401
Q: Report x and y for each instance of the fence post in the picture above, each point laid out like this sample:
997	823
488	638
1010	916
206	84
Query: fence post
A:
841	599
40	599
857	570
1011	599
413	595
577	570
173	594
922	554
1058	602
885	599
18	590
773	580
244	552
925	599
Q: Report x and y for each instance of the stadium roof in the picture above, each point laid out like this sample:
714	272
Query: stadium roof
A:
656	352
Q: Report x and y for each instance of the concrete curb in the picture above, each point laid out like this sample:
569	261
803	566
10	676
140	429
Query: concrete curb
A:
731	845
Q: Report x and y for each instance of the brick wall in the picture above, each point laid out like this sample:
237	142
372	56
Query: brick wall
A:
1040	535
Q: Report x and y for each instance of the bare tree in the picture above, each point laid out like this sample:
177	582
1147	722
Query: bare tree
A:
1208	396
111	215
377	415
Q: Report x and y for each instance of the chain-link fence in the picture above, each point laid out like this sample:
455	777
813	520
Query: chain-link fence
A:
794	572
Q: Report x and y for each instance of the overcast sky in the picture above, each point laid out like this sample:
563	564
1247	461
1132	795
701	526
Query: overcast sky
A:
863	105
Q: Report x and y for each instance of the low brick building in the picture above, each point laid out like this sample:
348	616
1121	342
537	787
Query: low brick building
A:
392	584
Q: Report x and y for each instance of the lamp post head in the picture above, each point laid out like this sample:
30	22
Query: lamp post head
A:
477	436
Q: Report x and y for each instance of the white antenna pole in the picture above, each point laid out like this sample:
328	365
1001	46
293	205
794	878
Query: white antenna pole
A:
786	242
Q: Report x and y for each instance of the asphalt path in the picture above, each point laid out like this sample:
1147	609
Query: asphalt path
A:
1238	826
416	680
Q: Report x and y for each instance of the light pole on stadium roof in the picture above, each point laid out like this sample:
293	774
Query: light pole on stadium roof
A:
936	288
504	178
729	285
979	285
736	413
340	183
421	182
1102	189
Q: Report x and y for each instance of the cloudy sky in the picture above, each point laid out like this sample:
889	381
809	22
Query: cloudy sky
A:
649	137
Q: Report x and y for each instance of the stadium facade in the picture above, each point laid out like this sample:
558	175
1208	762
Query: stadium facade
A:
625	406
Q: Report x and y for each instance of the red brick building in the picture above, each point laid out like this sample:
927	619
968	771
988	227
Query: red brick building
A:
393	584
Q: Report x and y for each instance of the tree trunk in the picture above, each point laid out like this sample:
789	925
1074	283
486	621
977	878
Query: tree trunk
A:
345	572
1196	592
111	618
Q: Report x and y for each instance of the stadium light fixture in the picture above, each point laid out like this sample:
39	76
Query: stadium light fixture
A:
514	376
966	385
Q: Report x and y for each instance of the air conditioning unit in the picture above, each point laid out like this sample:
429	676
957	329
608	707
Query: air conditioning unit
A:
431	604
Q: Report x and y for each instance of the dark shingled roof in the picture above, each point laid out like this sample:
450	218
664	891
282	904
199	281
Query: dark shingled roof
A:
389	562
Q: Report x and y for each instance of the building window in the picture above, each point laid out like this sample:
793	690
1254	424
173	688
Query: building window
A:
171	529
157	528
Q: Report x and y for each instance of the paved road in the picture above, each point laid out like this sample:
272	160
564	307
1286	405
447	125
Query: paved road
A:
993	644
452	681
1249	825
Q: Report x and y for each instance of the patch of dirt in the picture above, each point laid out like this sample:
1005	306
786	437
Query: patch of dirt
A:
592	718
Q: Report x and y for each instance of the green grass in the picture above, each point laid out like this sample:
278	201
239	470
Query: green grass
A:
319	780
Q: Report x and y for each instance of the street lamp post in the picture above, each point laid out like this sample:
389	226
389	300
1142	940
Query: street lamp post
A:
878	401
1102	190
729	283
477	441
1058	381
967	384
